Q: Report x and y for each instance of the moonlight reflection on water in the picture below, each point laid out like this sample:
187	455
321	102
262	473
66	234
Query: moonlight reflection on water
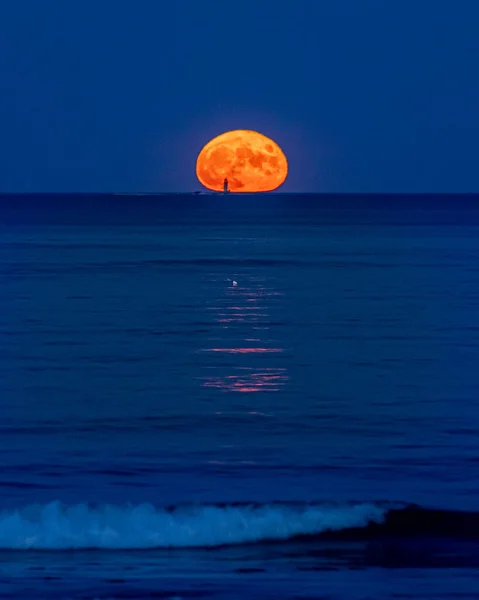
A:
244	341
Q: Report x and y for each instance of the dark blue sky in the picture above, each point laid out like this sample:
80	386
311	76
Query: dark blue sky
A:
120	95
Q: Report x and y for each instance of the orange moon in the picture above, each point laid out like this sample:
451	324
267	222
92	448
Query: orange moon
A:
250	161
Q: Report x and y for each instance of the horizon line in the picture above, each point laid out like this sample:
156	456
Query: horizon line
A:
230	194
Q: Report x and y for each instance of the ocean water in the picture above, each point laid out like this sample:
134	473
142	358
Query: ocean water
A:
311	431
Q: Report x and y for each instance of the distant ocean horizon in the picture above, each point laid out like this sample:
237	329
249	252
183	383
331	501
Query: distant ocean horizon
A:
243	396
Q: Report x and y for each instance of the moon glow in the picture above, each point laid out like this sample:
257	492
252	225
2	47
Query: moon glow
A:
250	161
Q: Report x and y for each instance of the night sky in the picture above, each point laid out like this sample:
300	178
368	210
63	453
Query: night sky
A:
120	95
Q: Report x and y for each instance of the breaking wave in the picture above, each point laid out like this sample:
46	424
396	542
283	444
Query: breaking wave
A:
55	526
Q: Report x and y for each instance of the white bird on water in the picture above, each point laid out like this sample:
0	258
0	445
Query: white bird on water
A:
233	282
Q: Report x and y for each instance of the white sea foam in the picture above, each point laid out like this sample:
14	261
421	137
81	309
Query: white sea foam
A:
56	527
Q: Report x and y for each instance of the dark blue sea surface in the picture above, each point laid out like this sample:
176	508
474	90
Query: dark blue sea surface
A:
230	397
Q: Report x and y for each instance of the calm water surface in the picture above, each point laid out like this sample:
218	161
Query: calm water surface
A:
166	433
